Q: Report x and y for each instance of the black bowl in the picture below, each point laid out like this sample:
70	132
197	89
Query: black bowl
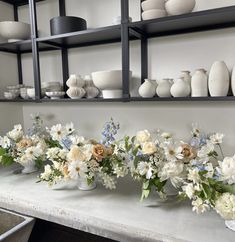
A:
67	24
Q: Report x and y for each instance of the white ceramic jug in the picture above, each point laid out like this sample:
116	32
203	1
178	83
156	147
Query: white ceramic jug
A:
186	76
180	88
219	79
199	83
147	89
164	88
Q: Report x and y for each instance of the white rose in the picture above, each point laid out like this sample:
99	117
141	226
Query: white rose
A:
225	206
149	148
227	169
143	136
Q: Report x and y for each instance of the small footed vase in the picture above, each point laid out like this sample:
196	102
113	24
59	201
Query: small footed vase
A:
83	186
29	168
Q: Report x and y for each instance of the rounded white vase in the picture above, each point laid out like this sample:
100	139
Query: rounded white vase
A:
176	7
180	88
199	84
164	88
219	79
147	89
29	168
83	186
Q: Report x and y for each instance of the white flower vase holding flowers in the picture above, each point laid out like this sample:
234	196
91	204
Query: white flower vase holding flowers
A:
29	167
84	186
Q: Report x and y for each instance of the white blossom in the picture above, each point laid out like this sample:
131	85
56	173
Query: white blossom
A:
199	206
226	170
143	136
216	138
77	169
145	169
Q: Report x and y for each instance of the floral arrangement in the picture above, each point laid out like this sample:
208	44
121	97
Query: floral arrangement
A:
26	149
75	158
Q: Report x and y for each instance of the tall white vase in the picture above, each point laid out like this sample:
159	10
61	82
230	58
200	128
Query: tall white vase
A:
233	81
219	79
199	84
147	89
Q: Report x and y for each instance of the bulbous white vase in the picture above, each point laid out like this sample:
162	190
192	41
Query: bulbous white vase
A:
186	76
176	7
91	90
83	186
147	89
199	84
76	92
75	81
219	79
180	88
233	81
29	168
164	88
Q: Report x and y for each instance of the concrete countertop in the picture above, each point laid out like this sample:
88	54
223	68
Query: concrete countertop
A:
114	214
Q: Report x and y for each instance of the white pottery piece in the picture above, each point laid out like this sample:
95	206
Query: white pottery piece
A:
233	81
199	83
29	168
112	94
153	4
91	90
164	88
31	92
76	92
14	31
55	95
75	81
147	89
83	186
108	80
186	76
170	190
219	79
153	13
180	88
230	224
176	7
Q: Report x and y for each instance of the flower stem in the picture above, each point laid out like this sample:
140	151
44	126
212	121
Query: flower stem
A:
222	153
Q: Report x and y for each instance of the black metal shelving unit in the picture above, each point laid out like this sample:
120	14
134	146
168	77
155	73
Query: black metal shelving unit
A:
124	33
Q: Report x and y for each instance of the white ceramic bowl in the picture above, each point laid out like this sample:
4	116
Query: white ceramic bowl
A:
153	4
154	13
112	93
10	95
108	80
55	95
14	31
176	7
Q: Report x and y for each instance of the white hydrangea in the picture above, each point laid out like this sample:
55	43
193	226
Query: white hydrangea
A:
47	172
52	153
17	133
108	181
226	170
200	206
225	206
120	171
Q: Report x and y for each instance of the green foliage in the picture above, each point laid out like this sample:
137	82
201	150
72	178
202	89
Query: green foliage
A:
7	160
52	143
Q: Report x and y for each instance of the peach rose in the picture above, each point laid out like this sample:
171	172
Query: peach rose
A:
24	143
99	151
76	154
188	152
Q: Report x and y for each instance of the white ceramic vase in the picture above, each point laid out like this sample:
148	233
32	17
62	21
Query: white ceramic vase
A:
91	90
170	190
147	89
83	186
164	88
75	81
199	84
219	79
233	81
176	7
76	92
186	76
29	168
180	88
230	224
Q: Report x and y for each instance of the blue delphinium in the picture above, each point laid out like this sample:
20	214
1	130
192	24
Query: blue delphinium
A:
109	131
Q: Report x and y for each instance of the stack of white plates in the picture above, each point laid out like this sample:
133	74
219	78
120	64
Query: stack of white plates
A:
153	9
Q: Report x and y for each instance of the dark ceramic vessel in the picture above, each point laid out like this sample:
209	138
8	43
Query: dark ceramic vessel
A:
67	24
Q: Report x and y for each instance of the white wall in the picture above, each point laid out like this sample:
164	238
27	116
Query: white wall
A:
167	56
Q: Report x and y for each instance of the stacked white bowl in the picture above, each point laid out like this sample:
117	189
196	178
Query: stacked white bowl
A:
153	9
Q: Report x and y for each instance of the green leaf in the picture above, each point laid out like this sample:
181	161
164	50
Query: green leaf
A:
145	194
228	188
39	163
146	185
7	160
159	184
2	151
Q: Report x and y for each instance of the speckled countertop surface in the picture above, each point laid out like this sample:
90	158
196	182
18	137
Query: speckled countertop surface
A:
114	214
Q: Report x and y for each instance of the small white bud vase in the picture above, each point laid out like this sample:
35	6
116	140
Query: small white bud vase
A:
91	90
219	79
199	84
233	81
180	88
75	81
186	76
147	89
83	186
164	88
29	167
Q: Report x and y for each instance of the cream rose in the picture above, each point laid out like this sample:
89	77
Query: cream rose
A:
149	148
76	154
143	136
227	169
